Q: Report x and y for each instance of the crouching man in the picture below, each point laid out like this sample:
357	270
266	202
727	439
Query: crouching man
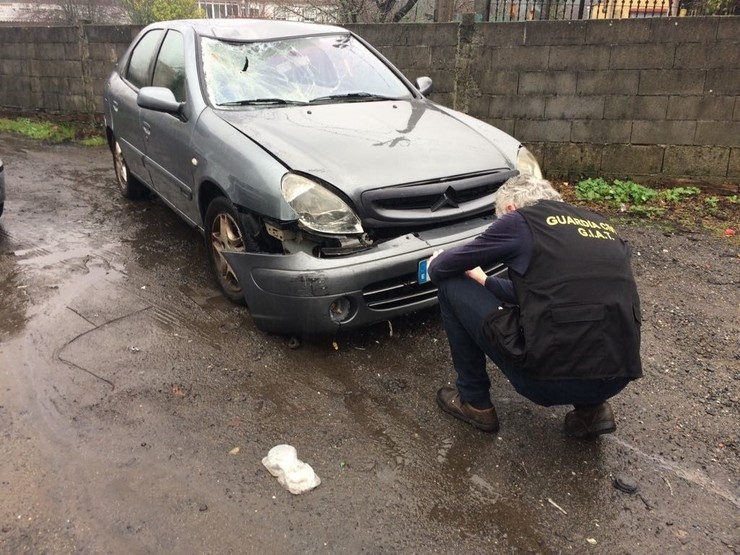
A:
564	328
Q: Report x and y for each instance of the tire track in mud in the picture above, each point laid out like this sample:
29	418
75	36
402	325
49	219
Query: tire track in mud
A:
173	319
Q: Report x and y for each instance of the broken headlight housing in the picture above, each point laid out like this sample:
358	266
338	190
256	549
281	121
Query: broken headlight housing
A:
527	163
318	208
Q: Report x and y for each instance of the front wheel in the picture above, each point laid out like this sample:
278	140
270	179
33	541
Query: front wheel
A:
223	233
130	187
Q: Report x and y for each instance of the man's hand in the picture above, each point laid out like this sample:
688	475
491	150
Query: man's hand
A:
478	275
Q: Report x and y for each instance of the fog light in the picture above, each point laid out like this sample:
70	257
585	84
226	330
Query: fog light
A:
339	310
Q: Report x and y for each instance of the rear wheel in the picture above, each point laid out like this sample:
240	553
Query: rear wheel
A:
129	186
224	233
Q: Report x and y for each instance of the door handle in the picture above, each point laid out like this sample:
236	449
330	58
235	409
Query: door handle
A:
115	105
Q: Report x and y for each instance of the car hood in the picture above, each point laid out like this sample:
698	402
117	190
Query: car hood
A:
365	145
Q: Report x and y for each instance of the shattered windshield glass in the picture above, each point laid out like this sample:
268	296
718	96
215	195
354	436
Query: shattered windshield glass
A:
330	68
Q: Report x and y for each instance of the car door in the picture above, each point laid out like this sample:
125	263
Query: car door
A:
124	112
167	136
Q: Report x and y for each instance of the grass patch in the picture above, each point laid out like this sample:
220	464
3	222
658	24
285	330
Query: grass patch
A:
40	130
93	141
55	132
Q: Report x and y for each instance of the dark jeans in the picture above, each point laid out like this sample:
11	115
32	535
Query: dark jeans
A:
464	304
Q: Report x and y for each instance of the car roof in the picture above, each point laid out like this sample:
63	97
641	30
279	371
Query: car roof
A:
251	29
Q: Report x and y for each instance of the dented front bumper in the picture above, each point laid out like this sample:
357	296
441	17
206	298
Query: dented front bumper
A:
299	294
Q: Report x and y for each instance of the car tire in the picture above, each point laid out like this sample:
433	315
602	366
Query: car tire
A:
130	187
2	205
224	232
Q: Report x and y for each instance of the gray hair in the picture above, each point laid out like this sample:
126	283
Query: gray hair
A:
524	190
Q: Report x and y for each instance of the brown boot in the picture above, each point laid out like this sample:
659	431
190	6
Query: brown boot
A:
587	423
448	399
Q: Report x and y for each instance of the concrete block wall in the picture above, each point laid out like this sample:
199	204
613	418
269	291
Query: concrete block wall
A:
59	69
657	100
419	50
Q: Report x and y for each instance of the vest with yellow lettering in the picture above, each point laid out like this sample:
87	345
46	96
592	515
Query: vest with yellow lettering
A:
579	311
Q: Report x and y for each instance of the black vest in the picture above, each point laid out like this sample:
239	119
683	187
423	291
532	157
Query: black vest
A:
579	312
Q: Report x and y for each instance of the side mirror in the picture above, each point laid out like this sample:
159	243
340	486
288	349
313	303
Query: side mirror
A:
424	84
160	99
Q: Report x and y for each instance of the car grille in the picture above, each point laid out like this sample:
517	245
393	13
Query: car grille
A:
432	202
405	291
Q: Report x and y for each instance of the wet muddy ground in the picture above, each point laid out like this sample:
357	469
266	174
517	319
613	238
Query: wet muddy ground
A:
127	382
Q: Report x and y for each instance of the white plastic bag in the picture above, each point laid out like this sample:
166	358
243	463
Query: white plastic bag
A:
294	475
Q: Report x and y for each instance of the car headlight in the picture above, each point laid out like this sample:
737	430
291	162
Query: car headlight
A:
318	208
527	163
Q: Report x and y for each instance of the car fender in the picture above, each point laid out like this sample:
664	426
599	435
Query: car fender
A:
247	174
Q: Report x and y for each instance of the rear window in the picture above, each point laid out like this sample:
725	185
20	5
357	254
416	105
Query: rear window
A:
137	72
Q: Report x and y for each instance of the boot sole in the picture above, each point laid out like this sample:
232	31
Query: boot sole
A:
596	430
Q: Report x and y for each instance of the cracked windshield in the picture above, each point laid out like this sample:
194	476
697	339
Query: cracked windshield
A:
296	71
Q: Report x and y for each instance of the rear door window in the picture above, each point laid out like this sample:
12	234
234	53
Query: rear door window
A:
137	72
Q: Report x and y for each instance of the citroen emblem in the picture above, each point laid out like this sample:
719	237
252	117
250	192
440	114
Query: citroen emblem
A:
447	199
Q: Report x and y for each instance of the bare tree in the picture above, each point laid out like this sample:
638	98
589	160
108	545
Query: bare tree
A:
393	10
71	12
349	11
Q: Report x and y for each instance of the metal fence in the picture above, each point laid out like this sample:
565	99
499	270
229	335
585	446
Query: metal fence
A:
528	10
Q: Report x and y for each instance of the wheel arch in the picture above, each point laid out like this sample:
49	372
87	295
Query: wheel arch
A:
208	191
109	137
250	221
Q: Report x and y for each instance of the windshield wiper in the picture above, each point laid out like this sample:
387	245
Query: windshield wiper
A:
355	96
257	101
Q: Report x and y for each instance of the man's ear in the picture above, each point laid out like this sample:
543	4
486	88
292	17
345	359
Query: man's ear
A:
509	208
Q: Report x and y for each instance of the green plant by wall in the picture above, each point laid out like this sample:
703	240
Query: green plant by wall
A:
618	192
682	206
45	131
712	202
676	194
53	132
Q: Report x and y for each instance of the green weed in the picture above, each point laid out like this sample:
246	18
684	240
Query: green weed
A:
683	206
93	141
40	130
712	202
676	194
54	132
618	192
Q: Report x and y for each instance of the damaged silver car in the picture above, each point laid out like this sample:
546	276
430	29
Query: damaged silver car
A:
320	177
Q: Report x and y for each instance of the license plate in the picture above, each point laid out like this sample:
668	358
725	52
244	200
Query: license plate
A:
422	275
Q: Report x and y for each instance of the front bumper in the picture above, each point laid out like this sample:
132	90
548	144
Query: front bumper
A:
292	294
